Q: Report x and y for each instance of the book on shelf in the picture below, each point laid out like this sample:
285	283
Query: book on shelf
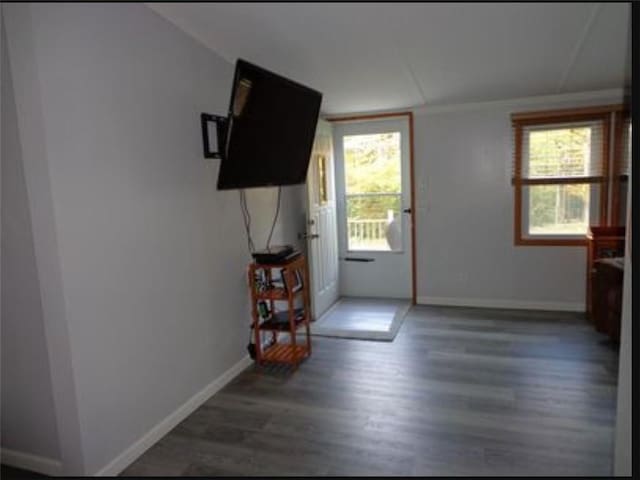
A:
260	280
278	282
263	310
297	279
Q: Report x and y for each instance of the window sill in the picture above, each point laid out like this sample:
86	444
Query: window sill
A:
374	252
552	242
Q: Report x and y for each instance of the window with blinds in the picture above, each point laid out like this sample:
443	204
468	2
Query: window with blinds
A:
625	147
561	174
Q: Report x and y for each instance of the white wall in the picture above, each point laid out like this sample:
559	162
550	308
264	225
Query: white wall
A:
291	219
464	213
141	260
28	415
623	455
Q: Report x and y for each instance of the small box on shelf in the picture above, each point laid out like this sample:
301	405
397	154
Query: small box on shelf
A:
280	320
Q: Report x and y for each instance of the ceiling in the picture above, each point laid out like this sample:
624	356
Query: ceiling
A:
378	56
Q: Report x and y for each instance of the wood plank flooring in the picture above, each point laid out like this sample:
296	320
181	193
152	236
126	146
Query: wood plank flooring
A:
458	392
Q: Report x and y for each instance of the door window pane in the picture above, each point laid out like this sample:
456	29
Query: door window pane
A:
321	168
373	222
373	186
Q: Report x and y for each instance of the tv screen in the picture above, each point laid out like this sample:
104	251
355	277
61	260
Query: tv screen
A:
270	130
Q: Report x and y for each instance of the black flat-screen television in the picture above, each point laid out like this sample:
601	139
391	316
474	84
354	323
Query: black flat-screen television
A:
270	130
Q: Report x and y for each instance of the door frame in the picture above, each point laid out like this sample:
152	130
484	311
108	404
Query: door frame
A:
412	196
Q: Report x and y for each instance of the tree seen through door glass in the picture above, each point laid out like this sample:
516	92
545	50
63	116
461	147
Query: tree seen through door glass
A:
373	191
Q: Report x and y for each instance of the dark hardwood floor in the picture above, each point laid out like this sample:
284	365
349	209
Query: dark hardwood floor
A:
458	392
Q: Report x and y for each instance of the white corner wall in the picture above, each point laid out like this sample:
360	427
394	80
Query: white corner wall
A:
28	414
141	261
464	213
623	453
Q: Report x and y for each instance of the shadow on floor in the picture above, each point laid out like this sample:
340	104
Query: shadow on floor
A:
11	472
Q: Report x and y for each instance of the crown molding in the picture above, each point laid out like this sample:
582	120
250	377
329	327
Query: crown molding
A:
612	95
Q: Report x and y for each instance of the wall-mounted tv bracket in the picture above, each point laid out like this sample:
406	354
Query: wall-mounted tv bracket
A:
207	121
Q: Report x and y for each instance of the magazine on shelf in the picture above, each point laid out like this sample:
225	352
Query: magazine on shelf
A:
260	280
297	278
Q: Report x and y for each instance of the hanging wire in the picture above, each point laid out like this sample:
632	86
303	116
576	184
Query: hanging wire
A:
246	216
275	218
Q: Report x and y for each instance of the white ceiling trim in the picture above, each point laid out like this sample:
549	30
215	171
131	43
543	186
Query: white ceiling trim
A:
612	95
576	51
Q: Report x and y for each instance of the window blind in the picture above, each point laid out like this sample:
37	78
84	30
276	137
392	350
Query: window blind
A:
560	152
624	155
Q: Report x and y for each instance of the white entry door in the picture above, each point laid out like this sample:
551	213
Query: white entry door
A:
321	234
373	194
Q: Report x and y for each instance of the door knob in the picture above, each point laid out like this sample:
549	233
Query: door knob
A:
306	235
407	210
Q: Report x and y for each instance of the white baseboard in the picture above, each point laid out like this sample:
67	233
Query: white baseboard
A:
498	303
33	463
127	457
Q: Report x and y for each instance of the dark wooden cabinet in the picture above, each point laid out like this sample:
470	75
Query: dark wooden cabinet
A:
608	274
602	242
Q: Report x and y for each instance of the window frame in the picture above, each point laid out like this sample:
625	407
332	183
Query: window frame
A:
601	114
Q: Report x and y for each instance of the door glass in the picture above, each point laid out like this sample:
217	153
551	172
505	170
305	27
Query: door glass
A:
322	179
373	191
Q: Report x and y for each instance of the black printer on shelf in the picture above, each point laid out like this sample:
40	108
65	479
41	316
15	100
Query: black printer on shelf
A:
275	254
